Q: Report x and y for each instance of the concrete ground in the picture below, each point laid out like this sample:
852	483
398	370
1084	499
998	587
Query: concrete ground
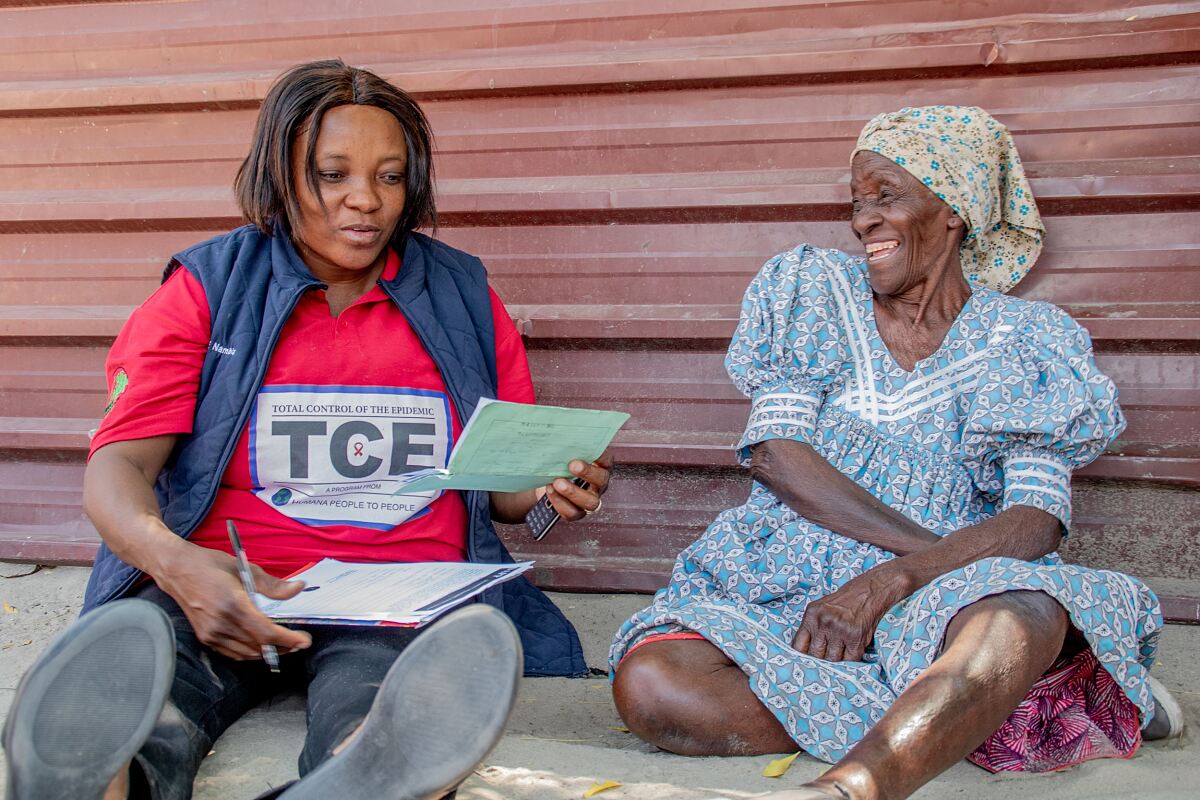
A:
565	734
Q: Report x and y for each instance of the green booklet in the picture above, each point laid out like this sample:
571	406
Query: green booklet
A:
510	447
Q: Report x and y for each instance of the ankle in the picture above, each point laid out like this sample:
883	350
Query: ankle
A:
832	788
119	788
847	783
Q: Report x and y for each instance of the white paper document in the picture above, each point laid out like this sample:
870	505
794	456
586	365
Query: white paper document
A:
336	592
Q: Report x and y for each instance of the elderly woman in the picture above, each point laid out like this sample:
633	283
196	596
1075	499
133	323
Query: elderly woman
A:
286	376
889	598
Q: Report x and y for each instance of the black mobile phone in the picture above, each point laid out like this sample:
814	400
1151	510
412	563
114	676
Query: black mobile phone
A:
542	517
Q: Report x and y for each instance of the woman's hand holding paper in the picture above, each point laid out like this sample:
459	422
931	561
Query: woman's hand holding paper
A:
573	502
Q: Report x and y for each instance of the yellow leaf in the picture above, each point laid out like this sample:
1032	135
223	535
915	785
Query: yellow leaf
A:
779	766
618	728
9	609
597	788
1131	19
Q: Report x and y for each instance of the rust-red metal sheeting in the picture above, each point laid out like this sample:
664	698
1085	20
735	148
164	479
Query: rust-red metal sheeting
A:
623	168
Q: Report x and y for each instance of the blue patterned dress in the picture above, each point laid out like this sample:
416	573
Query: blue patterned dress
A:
998	416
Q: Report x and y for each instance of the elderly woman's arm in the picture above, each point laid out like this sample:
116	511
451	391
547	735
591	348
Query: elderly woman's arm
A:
841	625
814	489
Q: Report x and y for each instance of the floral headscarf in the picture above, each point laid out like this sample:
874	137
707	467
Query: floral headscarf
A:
970	161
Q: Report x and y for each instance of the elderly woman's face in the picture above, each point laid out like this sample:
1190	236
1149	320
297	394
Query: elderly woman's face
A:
360	159
905	228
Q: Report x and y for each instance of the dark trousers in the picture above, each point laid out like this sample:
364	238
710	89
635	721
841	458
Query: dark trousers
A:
341	670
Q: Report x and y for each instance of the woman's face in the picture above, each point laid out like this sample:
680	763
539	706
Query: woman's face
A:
905	228
360	158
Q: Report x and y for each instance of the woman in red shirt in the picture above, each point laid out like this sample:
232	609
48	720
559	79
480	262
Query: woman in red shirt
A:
338	179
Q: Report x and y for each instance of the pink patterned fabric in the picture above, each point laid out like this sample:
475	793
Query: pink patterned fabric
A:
1074	713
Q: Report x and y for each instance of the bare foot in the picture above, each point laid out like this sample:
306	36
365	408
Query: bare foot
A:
809	791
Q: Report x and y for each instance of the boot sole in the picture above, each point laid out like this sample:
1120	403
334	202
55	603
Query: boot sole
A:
88	703
440	710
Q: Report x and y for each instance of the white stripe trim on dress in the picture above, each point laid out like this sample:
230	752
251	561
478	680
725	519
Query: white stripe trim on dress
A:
930	403
1045	462
764	409
962	362
786	396
1035	489
836	288
856	329
902	398
916	408
1053	478
780	421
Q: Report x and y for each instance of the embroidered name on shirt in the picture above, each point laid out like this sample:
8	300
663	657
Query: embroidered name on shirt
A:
221	349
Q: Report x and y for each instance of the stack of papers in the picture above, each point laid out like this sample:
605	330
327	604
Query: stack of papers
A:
337	593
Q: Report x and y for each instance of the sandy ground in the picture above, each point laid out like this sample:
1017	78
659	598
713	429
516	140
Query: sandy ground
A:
565	735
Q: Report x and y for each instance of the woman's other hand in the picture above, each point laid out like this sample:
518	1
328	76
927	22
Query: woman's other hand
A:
572	502
576	502
840	626
209	590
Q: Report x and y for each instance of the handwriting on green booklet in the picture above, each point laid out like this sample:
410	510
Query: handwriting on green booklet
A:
510	447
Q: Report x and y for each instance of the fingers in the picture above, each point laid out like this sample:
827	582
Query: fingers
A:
238	651
570	501
235	628
263	631
605	460
273	587
819	644
574	502
597	474
828	637
245	641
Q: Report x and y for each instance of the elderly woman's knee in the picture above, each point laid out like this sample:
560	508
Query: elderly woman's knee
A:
1036	614
663	692
1013	632
645	687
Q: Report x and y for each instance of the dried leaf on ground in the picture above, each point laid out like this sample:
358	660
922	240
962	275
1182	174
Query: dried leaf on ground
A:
779	766
597	788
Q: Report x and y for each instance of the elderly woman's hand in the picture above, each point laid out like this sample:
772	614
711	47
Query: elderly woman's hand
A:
840	626
576	502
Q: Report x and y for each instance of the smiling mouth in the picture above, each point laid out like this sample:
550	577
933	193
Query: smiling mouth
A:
878	251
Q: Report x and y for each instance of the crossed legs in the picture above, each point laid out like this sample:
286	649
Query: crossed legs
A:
685	696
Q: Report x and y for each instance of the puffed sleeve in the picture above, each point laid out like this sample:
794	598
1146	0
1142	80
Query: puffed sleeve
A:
1042	409
787	345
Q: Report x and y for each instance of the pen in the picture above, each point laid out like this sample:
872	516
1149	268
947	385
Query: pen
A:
269	653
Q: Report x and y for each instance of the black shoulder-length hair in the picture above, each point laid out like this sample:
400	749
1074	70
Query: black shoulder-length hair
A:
299	100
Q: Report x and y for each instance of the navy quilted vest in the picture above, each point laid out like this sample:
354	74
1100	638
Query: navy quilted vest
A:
252	283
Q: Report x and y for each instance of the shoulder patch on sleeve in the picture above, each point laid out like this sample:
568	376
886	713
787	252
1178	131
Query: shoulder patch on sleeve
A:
120	383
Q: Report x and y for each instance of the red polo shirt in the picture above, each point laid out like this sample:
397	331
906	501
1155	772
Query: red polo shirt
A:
348	406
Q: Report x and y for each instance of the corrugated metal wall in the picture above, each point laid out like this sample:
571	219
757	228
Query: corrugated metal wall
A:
623	167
